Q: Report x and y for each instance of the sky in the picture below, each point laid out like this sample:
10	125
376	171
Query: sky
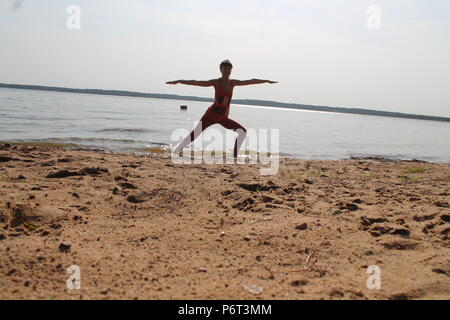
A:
321	52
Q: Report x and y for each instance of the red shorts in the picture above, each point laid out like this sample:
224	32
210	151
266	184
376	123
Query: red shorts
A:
208	120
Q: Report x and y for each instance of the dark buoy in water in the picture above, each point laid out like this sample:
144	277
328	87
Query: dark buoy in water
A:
183	107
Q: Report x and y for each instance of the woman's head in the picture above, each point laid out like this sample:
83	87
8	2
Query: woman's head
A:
226	67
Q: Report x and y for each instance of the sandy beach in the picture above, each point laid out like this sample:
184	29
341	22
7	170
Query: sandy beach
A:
142	227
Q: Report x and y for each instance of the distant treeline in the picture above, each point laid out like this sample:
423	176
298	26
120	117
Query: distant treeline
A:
235	101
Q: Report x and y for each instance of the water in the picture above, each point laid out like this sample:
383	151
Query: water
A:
128	124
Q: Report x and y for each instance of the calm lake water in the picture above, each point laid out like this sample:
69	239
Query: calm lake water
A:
128	124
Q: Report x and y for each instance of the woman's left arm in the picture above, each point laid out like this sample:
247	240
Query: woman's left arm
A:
252	81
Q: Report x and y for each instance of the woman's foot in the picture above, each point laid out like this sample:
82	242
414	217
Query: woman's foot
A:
176	152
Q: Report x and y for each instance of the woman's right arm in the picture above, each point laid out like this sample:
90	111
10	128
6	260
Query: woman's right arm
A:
208	83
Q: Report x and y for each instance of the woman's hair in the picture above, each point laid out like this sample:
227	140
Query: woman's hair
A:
226	63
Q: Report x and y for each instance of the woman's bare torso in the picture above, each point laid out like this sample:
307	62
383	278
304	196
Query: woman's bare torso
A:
221	106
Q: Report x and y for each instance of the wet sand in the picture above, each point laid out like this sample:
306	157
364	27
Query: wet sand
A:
142	227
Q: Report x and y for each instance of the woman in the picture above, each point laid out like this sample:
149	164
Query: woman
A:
218	112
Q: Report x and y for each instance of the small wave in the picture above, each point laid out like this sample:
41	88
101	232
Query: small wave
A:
34	118
150	150
391	157
41	144
80	139
137	130
159	143
122	145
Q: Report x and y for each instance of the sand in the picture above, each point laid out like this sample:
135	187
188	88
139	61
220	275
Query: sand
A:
142	227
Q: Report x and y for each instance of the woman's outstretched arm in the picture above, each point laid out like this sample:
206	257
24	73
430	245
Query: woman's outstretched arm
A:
208	83
252	81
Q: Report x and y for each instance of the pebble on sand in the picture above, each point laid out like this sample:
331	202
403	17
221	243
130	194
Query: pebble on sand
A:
302	226
253	289
65	246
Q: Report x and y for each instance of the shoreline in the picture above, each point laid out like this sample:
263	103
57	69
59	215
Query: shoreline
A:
163	149
143	227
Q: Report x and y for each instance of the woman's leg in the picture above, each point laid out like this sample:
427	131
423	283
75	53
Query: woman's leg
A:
201	126
242	132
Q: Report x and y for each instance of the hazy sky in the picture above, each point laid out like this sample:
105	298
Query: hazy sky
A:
320	51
